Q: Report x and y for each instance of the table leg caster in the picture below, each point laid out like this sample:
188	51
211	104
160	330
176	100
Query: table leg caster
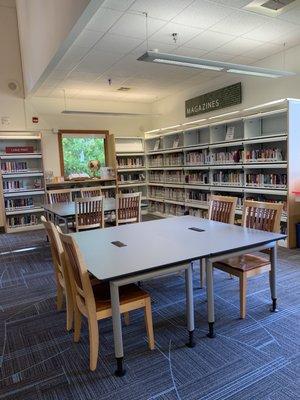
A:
211	333
191	342
120	371
274	306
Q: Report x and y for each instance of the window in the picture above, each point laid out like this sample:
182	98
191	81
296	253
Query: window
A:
78	148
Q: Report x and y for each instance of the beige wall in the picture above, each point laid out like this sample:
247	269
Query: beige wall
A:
255	90
43	26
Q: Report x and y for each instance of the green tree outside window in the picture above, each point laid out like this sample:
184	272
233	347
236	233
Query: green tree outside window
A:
78	151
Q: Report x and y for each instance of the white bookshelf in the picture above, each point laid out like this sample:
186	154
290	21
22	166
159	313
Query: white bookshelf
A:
22	189
131	165
258	162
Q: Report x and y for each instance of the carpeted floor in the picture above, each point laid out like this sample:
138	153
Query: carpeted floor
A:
257	358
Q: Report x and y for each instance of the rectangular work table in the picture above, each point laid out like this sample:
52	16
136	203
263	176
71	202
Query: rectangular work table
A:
136	252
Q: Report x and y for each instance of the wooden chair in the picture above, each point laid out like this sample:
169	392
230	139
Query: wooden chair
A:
128	208
94	302
221	209
63	287
89	213
256	215
91	192
59	196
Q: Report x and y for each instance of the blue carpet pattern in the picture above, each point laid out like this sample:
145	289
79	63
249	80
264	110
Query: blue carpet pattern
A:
254	359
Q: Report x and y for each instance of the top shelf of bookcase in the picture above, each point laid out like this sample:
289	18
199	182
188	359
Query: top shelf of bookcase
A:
21	137
20	156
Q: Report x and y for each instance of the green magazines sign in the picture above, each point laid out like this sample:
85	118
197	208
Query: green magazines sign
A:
221	98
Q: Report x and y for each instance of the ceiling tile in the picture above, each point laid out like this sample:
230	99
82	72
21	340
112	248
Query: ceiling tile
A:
118	5
189	52
133	25
88	38
202	14
72	58
97	62
209	40
243	60
232	3
165	9
264	50
184	34
271	31
239	23
291	15
117	44
103	19
154	46
240	46
217	56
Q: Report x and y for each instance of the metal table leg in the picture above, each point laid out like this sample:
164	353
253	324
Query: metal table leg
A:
273	278
190	305
117	328
210	298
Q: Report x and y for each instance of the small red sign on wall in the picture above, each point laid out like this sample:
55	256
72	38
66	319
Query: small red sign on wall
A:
19	149
35	120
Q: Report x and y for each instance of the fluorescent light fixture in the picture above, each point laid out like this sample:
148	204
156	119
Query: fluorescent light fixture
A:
224	115
186	64
153	131
170	127
104	113
270	103
252	73
194	122
201	63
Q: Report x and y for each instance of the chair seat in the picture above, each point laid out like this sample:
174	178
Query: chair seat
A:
127	293
245	263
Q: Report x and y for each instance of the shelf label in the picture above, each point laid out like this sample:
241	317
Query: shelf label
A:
221	98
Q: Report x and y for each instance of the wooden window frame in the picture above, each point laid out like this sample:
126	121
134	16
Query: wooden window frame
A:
78	132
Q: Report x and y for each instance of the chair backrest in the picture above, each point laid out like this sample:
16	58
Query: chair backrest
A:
262	215
128	208
56	249
59	196
89	213
91	192
78	274
222	209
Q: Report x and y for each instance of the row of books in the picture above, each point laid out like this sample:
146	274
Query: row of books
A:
174	209
197	196
11	185
11	204
175	177
13	166
173	159
197	178
197	212
156	160
131	177
233	178
156	176
263	155
227	157
156	191
130	162
175	194
197	157
266	180
23	220
155	206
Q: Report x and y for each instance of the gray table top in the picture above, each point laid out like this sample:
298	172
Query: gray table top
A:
66	210
161	243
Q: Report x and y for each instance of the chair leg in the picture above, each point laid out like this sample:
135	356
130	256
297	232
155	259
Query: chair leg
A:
70	313
243	293
202	273
230	276
77	324
59	297
94	342
149	323
126	318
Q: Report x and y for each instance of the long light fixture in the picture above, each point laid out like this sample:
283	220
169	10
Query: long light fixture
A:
194	122
201	63
224	115
105	113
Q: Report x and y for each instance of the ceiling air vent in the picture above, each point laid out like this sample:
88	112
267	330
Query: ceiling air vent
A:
123	89
276	5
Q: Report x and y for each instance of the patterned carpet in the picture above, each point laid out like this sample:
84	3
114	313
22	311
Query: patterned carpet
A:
257	358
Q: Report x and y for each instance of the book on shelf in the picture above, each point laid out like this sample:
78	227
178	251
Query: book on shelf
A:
176	142
229	133
23	220
13	166
156	145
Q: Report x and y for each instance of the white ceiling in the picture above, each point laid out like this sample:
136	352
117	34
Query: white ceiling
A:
115	37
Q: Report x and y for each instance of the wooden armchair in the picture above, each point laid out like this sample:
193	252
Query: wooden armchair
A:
128	208
89	213
256	215
221	209
59	196
91	192
93	302
63	287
